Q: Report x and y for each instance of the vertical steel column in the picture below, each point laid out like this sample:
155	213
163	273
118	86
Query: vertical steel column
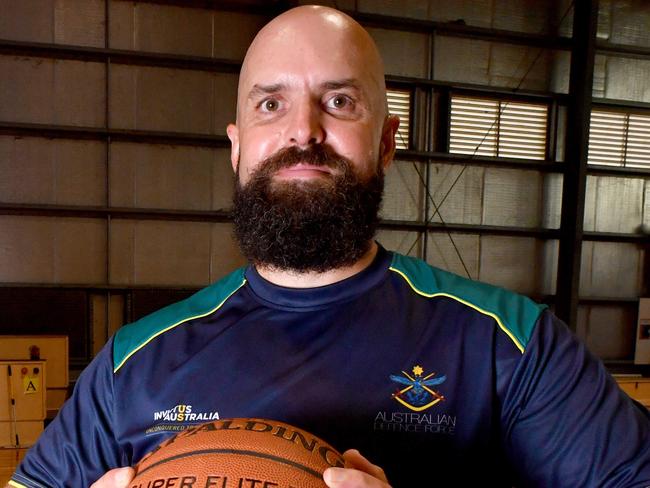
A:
585	19
429	127
107	166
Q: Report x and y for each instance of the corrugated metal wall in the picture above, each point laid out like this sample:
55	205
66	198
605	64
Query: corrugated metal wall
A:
119	211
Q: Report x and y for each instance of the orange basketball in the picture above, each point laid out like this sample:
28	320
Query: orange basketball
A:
238	453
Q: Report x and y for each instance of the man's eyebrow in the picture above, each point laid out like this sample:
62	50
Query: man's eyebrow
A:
259	90
338	84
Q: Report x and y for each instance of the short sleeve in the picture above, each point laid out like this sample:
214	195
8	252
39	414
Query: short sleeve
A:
566	423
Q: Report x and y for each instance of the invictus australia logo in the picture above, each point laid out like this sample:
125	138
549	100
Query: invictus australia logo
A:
416	393
179	418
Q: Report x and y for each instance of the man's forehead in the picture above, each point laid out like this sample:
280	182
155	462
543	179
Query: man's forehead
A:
295	45
314	46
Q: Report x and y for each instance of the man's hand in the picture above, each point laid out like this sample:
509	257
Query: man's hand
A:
358	473
115	478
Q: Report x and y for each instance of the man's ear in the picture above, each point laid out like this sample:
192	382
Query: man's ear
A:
387	146
233	135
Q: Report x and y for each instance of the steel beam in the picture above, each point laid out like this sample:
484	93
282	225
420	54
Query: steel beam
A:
585	20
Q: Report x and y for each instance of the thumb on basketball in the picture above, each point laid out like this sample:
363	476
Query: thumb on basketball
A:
115	478
358	473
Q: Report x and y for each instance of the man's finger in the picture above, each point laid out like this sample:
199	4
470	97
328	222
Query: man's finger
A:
115	478
351	478
354	460
358	473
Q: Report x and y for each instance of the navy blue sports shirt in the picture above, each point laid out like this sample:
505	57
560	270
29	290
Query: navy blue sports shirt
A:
438	379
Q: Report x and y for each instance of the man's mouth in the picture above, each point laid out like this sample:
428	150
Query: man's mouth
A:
304	171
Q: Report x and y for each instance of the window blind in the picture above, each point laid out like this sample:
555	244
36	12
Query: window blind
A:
498	128
619	139
399	103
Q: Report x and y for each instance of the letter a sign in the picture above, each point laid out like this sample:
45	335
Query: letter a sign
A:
31	384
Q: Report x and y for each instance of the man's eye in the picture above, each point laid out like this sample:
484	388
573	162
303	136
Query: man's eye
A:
270	105
340	102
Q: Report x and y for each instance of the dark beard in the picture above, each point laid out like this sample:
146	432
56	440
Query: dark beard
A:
315	225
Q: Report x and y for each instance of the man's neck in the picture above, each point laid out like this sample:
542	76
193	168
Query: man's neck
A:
293	279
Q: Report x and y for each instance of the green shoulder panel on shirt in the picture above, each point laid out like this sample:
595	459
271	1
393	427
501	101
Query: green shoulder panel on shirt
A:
133	337
515	314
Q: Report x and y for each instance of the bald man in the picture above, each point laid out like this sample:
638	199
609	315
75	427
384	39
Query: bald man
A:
439	380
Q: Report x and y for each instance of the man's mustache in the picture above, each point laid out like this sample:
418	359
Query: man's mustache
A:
315	155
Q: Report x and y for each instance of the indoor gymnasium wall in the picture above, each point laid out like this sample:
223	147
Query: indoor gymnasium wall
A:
115	176
165	241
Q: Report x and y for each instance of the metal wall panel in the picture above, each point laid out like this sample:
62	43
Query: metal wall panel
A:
160	28
182	30
600	75
497	64
517	15
560	71
404	53
404	192
478	13
530	16
223	180
614	204
515	263
233	33
454	253
608	330
418	9
626	79
51	91
75	22
629	22
121	25
52	250
170	177
171	253
79	22
160	253
461	60
512	198
604	28
164	99
464	193
523	67
105	319
22	80
619	204
646	206
51	171
404	242
611	269
548	272
589	222
79	94
27	20
552	201
224	252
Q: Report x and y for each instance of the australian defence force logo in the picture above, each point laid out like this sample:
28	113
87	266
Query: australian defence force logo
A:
417	393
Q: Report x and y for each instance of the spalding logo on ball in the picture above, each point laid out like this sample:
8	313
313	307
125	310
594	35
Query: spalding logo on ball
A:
238	453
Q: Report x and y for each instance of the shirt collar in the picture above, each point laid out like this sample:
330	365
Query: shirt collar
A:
300	298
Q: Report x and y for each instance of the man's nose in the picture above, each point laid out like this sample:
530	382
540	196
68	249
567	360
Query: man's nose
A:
305	126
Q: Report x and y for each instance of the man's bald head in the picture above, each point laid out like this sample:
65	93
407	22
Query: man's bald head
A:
311	142
316	32
312	76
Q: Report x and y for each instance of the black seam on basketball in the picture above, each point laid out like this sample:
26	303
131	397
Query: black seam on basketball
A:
304	468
